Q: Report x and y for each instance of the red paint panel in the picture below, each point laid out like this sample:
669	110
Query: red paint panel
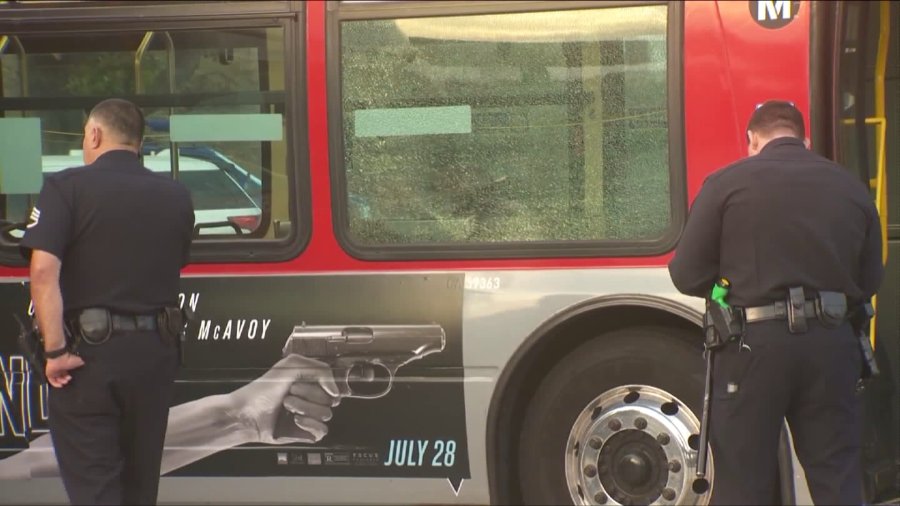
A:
731	63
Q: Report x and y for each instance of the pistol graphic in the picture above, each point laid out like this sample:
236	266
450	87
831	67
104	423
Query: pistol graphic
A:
363	358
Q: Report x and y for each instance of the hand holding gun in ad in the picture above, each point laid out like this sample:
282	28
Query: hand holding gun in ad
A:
202	427
320	366
720	327
364	359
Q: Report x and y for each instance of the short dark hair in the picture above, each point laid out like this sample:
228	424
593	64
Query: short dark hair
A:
121	117
776	115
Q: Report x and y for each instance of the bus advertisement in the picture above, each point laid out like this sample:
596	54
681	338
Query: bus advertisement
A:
460	211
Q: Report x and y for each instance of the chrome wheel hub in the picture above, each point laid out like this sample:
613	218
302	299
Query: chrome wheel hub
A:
635	444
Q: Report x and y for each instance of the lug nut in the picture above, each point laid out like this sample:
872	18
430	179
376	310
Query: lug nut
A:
663	439
674	466
595	443
600	498
615	424
590	471
668	494
640	423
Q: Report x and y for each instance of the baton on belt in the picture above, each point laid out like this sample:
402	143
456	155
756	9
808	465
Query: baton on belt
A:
701	484
720	327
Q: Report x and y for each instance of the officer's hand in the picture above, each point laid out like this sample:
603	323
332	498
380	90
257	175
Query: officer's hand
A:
57	369
302	385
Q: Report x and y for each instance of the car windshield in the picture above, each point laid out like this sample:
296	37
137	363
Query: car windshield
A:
213	189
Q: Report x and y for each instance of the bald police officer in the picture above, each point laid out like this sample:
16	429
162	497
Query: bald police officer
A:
784	225
106	242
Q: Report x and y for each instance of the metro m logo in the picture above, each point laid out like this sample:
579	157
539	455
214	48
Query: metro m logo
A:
774	13
771	9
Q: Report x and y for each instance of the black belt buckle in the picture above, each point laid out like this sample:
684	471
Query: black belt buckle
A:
796	310
95	325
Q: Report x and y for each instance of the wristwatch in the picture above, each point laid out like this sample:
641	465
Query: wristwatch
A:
56	353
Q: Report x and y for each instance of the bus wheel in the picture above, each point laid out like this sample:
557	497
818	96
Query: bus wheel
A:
609	425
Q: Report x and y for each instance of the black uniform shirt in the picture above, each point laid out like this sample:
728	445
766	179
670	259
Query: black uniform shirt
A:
122	233
785	217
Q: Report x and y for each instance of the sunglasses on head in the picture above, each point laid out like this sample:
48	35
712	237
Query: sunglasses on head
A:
763	103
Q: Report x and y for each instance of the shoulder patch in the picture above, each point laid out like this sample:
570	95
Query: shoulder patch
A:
34	218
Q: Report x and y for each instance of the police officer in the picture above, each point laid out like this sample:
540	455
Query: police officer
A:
106	243
784	225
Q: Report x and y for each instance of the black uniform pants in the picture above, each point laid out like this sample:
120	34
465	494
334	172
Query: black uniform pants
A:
810	379
109	423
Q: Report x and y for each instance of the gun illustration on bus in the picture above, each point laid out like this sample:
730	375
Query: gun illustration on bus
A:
364	358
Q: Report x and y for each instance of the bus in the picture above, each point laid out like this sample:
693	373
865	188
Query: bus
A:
463	211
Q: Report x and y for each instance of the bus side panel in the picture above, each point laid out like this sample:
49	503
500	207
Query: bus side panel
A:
485	315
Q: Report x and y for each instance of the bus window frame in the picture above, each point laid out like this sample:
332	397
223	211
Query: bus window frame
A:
338	12
288	16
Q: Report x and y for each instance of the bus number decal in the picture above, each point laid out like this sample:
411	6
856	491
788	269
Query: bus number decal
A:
482	283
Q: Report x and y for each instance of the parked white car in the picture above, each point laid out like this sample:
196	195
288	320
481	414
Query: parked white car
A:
221	204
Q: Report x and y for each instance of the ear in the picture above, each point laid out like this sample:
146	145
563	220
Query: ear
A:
95	137
752	143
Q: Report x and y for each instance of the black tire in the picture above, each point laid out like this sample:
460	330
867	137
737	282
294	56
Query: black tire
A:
654	356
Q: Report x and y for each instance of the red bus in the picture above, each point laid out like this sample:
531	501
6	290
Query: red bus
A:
463	209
